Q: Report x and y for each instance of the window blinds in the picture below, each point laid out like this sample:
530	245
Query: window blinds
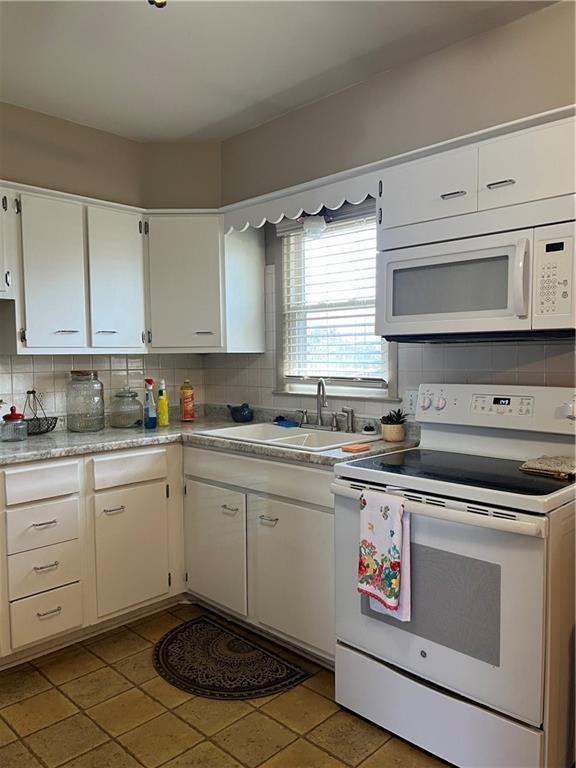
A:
329	284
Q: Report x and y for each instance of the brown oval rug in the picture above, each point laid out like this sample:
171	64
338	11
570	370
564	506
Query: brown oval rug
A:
205	658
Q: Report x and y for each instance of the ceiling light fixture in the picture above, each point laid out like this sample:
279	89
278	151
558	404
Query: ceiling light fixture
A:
158	3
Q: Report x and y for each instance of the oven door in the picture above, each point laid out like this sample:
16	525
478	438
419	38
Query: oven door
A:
477	623
477	285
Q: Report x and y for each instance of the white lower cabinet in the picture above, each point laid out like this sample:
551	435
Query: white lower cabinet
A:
291	555
131	536
41	616
215	541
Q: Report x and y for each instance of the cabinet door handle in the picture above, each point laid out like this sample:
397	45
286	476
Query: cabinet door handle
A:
267	520
107	332
49	613
115	510
227	510
48	567
47	524
8	278
451	195
204	333
501	183
67	330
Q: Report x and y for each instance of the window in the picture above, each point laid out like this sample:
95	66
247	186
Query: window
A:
328	306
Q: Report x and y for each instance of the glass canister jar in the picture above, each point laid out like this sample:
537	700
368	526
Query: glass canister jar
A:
84	402
14	427
126	410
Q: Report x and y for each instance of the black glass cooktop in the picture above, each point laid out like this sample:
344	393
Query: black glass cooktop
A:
464	469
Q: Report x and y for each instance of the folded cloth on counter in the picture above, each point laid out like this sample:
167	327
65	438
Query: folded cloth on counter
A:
561	467
384	559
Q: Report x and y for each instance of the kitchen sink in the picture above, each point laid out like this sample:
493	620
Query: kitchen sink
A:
298	438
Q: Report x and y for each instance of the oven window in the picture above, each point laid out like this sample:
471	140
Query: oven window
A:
455	603
459	286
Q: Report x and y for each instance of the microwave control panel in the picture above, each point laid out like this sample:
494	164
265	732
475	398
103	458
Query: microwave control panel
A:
553	297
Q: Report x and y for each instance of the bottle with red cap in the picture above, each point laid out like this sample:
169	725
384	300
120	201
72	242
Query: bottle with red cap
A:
150	421
14	428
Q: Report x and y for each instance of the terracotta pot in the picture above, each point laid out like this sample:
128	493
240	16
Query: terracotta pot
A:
393	433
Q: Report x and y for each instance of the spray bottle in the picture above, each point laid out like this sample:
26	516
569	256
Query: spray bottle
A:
149	406
163	405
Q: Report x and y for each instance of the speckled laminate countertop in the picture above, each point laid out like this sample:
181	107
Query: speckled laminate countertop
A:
60	444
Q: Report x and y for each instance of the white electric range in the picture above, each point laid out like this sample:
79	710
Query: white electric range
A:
481	675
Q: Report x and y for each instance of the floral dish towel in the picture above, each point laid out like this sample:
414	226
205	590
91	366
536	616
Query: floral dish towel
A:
384	561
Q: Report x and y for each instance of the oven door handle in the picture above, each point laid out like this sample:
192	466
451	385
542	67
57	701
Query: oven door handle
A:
538	528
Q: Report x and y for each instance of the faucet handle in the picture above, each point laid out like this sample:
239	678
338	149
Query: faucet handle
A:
304	412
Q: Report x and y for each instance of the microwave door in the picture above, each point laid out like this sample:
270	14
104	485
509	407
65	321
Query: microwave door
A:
476	285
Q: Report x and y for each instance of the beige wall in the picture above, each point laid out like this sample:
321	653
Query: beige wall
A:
518	69
184	175
48	152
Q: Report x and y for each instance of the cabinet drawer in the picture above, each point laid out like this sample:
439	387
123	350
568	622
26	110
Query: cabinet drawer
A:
36	618
531	165
432	188
43	569
127	468
41	525
41	481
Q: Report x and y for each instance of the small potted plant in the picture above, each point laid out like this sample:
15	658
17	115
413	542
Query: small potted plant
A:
393	429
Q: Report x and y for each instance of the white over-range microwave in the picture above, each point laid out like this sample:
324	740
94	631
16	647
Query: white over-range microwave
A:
513	284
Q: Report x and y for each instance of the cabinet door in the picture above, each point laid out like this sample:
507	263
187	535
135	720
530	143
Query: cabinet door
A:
292	556
4	208
185	281
53	256
116	259
131	530
432	188
215	536
530	165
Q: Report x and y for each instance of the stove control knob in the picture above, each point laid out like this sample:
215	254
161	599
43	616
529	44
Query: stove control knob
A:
440	404
426	403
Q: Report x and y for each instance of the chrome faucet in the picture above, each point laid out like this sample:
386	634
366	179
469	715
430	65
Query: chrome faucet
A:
321	401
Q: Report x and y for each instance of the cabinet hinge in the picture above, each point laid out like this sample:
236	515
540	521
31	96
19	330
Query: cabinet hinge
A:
169	579
167	491
146	228
149	337
4	203
186	577
185	489
17	205
140	227
23	335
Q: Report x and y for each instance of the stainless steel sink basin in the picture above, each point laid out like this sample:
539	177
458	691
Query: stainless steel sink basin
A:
298	438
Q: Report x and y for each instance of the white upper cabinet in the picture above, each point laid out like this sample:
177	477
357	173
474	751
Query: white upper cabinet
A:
206	291
530	165
432	188
185	270
116	268
54	266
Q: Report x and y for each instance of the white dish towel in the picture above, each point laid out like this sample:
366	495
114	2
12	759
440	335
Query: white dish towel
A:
384	558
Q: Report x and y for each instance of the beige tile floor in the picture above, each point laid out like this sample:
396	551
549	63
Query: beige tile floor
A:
100	704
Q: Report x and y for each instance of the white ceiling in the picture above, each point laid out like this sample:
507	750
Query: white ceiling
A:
209	70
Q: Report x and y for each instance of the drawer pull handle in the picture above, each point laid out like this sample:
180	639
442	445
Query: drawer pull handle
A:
49	567
267	520
502	183
451	195
229	510
67	330
47	524
204	333
53	612
115	510
107	332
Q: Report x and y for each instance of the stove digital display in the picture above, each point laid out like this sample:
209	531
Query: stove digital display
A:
501	401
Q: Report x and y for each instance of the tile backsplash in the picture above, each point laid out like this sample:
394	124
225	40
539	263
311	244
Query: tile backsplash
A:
48	375
237	378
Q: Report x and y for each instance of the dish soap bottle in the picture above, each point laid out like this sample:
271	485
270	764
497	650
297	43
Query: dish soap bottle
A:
149	406
186	401
163	406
